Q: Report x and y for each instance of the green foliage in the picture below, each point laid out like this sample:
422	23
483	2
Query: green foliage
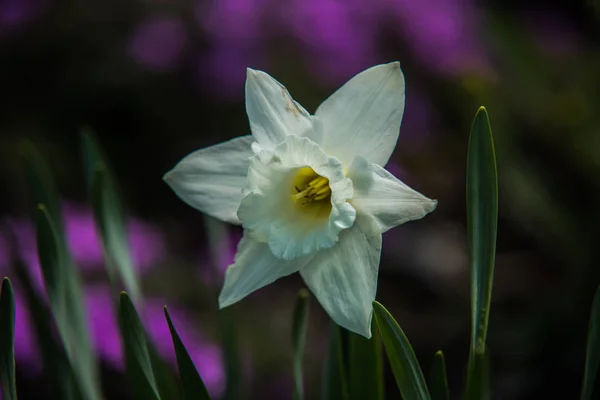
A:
7	341
482	225
138	361
438	381
365	367
61	277
406	369
191	382
109	216
592	359
334	385
298	340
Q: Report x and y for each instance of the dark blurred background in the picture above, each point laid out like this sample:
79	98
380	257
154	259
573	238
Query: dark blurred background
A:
157	79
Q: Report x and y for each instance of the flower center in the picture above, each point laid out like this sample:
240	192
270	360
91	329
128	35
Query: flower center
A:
310	187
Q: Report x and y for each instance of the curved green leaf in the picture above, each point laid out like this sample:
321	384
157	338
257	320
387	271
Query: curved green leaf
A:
334	385
482	226
64	291
406	369
438	381
193	386
138	361
7	341
592	358
298	341
109	216
365	367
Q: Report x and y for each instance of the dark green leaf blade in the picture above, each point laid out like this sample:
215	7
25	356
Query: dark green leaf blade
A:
138	361
334	385
438	381
478	377
193	386
109	216
64	291
482	226
365	367
406	369
298	341
592	358
7	341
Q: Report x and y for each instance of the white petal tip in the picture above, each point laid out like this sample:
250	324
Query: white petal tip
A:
432	206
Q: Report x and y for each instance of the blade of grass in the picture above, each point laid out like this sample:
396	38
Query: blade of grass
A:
405	367
365	367
482	226
217	235
478	377
61	379
438	381
592	358
193	386
7	341
298	341
109	216
138	361
334	384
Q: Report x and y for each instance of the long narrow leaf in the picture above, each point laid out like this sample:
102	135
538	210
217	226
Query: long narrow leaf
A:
335	381
138	362
438	381
592	359
482	224
365	367
405	366
478	377
65	294
298	341
193	386
61	378
109	216
217	235
7	341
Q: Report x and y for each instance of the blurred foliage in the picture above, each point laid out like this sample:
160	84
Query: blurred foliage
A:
66	64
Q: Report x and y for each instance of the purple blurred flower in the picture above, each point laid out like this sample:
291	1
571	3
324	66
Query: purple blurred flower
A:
234	29
14	13
159	42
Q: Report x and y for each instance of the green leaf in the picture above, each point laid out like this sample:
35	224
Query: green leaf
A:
335	381
478	377
62	380
592	358
405	366
138	361
109	216
64	291
365	367
193	386
298	341
7	341
482	225
217	235
438	381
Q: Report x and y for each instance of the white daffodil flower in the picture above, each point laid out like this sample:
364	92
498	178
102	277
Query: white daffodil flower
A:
309	190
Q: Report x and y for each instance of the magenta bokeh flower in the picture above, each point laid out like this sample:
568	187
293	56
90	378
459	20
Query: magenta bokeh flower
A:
159	42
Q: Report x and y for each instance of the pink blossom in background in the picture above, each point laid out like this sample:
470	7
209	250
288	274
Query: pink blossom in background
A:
14	13
159	42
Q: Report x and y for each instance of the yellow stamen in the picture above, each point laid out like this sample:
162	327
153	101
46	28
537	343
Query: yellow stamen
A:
309	187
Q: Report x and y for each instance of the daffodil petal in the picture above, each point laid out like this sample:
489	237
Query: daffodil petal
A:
272	112
363	117
254	267
211	179
344	278
390	201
